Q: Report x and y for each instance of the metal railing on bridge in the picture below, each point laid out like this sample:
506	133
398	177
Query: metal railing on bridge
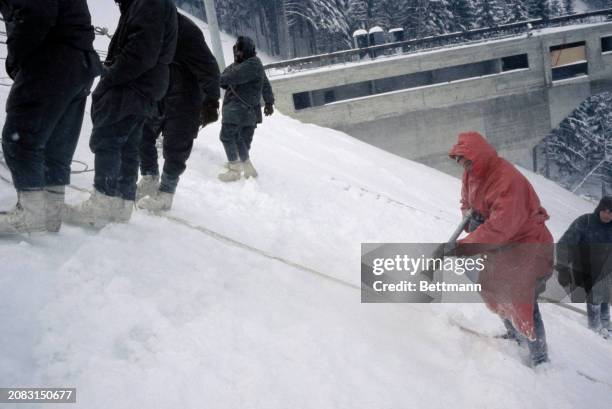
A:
434	42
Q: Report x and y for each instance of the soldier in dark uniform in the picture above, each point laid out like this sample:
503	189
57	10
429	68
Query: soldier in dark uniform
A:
244	82
53	63
584	260
192	100
136	79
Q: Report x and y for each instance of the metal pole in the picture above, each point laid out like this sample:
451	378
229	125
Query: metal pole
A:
215	37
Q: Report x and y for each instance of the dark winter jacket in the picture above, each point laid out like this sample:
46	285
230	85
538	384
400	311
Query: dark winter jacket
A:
138	61
584	252
513	236
243	83
268	97
50	46
194	78
194	69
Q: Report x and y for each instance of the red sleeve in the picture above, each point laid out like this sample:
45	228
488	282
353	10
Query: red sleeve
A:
507	215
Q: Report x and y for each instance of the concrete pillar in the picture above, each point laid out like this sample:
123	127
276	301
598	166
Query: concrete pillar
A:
215	37
497	65
593	54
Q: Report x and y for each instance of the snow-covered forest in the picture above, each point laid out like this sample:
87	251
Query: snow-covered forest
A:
578	154
292	28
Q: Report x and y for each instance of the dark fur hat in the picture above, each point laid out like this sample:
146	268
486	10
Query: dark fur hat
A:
604	204
247	46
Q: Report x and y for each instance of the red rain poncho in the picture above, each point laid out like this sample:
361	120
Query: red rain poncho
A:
522	250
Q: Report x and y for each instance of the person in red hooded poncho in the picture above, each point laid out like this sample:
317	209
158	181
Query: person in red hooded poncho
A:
511	233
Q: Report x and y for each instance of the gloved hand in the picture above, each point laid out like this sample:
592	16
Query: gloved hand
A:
475	221
268	109
564	275
209	112
11	68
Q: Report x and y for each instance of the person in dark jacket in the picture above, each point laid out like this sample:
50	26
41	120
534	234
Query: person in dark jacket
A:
53	63
192	100
244	82
584	260
268	97
136	79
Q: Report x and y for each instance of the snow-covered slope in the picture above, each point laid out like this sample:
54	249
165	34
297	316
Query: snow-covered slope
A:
155	314
162	314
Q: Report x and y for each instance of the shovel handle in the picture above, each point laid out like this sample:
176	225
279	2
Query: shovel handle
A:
466	219
453	239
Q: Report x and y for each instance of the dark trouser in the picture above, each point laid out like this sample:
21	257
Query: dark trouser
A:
598	299
538	350
177	146
248	136
598	316
237	141
39	138
116	150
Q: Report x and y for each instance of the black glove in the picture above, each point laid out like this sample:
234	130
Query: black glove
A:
268	109
564	275
579	279
475	221
11	68
209	112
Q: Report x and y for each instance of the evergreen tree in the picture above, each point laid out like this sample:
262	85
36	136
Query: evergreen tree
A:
418	11
232	14
358	13
328	20
439	17
600	4
580	149
463	15
568	6
489	13
538	9
555	8
516	11
390	13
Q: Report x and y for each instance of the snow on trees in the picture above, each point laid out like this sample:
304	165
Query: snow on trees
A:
578	154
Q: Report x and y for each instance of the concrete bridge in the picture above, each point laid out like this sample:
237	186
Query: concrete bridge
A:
514	90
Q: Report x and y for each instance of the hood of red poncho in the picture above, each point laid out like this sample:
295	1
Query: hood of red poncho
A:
474	147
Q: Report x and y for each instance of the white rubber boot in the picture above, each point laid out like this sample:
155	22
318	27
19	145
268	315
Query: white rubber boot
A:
233	173
161	201
28	215
147	186
97	211
122	210
249	170
54	198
